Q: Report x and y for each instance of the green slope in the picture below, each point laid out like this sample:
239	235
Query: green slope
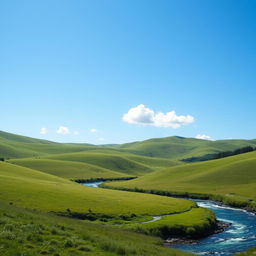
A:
94	164
233	178
34	189
68	169
115	162
154	162
30	233
175	148
5	136
180	148
17	146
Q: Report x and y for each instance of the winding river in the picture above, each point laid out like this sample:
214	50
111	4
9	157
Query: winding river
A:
240	236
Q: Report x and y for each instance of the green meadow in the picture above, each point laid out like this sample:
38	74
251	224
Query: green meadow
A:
43	211
178	148
230	179
37	190
32	233
68	169
197	223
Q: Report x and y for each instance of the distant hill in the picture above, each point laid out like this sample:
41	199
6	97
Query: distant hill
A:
180	148
17	146
173	148
121	162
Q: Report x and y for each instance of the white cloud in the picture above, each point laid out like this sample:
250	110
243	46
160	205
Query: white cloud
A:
76	133
93	130
203	137
101	139
63	130
145	116
43	130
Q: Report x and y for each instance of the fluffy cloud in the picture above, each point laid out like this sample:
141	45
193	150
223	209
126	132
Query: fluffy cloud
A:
145	116
76	133
63	130
203	137
93	130
43	130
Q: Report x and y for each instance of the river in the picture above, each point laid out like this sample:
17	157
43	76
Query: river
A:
239	236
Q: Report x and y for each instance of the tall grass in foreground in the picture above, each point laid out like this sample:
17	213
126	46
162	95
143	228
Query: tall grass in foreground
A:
30	233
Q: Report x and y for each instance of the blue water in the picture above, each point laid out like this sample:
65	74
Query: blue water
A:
240	236
92	184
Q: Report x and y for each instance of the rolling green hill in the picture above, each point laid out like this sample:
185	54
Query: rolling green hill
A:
17	146
68	169
233	178
37	190
174	148
130	164
115	162
32	189
95	164
179	148
37	176
31	233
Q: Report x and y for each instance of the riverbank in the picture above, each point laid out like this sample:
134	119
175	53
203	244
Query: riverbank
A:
238	237
221	227
194	223
102	179
222	200
234	232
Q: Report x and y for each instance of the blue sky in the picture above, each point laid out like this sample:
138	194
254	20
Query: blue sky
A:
77	67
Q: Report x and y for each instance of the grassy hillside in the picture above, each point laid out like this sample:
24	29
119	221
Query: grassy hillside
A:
17	146
175	148
95	164
33	189
196	223
180	148
233	178
68	169
115	162
30	233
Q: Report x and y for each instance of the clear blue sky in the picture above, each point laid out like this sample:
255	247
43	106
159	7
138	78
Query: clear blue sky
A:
83	64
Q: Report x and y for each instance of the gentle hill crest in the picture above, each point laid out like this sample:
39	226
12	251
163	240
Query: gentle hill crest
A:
176	148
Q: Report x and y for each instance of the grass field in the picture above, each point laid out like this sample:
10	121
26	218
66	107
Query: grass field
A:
174	148
68	169
114	162
37	177
17	146
233	178
196	223
129	164
33	189
30	233
179	148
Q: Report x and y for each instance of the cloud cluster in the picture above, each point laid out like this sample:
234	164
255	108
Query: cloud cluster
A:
203	137
142	115
43	130
63	130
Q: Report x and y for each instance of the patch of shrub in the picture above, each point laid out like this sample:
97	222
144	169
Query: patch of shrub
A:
69	243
